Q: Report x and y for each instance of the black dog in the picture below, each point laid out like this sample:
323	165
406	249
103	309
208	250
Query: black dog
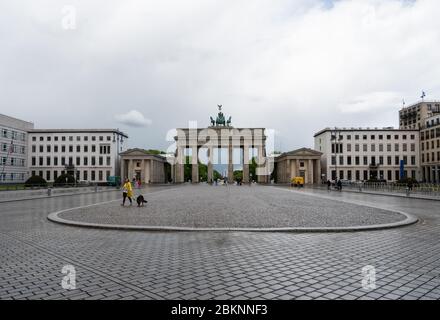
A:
141	200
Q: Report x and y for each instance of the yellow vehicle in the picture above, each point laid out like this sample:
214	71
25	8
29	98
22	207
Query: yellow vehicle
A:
297	182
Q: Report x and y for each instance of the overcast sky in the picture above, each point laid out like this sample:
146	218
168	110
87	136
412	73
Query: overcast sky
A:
148	66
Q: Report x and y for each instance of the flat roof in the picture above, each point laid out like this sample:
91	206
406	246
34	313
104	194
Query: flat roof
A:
391	129
79	131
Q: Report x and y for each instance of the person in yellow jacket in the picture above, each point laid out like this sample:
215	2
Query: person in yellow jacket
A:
127	192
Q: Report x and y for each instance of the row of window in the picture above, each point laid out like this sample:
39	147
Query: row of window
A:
6	147
8	177
348	160
339	147
70	138
69	161
430	134
358	175
431	145
12	134
95	175
373	137
103	149
430	157
13	162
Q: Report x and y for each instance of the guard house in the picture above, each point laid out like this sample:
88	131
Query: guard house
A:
221	135
140	164
302	162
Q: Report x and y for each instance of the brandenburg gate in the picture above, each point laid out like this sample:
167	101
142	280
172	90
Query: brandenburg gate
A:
221	135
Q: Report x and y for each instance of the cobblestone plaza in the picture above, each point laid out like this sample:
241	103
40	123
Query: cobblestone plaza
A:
127	264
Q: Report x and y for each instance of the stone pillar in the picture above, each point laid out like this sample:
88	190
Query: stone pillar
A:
122	170
288	174
210	164
180	165
245	164
311	172
230	164
143	170
318	164
195	165
297	168
130	170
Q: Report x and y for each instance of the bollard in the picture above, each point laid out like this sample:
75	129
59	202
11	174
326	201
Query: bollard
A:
96	188
49	192
407	191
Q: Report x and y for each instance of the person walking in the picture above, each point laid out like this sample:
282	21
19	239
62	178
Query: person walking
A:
339	185
329	185
127	192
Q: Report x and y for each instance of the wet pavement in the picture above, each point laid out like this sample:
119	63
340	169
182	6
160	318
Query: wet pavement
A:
113	264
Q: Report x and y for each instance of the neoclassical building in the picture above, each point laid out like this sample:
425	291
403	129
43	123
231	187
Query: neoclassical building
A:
221	135
141	165
302	162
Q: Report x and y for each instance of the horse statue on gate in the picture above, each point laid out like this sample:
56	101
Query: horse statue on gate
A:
220	120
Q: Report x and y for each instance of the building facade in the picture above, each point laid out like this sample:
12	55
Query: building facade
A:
430	149
90	155
303	162
13	149
415	115
141	165
369	154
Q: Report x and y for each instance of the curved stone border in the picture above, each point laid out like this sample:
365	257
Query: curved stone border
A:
410	219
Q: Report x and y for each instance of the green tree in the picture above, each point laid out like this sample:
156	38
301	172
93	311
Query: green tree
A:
35	181
253	168
238	175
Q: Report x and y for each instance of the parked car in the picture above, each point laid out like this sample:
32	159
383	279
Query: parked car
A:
114	181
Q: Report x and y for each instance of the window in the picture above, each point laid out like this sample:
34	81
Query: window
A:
70	148
389	161
48	148
55	174
55	161
108	161
396	137
55	148
93	175
78	138
47	161
373	137
93	148
41	148
365	160
348	147
40	161
34	148
396	147
86	138
396	160
93	161
78	161
33	161
56	139
373	148
356	147
47	175
70	138
364	137
356	160
365	147
380	137
413	147
356	137
63	148
100	175
101	161
404	147
381	160
381	147
341	160
349	161
85	176
78	148
86	148
86	161
404	137
413	160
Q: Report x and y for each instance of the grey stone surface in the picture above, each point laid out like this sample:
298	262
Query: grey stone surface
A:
203	206
159	265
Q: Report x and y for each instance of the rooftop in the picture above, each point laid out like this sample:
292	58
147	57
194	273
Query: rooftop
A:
79	131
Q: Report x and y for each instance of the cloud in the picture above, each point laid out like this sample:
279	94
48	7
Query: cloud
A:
133	118
296	66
